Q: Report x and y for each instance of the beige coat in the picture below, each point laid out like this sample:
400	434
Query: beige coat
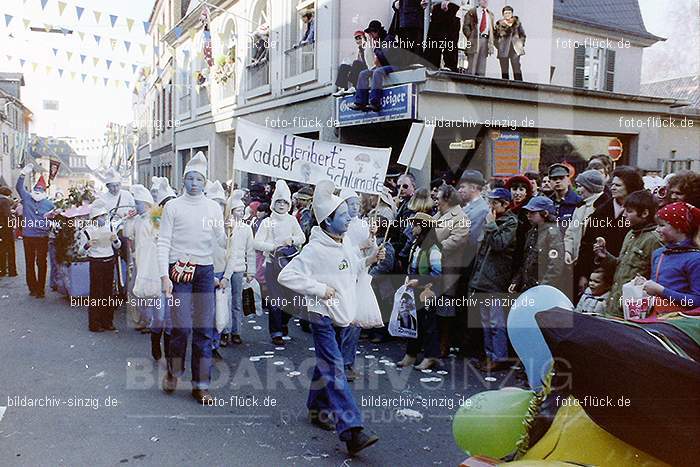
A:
577	226
452	232
470	28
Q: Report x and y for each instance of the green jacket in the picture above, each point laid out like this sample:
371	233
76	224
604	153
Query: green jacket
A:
493	266
634	259
543	260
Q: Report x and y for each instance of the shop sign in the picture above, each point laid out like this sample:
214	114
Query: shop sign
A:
505	154
465	145
398	103
530	155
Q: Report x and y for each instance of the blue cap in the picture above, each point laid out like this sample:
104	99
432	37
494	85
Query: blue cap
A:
540	203
500	193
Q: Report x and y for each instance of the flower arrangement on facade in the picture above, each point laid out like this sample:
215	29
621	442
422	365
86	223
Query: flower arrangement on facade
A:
225	67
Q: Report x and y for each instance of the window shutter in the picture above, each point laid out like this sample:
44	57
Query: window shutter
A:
609	70
579	66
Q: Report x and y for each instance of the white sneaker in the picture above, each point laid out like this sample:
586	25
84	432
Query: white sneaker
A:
350	90
339	92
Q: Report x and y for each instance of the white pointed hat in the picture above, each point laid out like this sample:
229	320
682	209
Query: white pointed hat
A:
97	209
112	176
281	192
347	193
215	191
161	189
236	200
140	193
325	202
197	164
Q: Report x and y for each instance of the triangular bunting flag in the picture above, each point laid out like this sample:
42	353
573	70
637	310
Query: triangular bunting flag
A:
81	35
72	75
98	15
128	84
109	63
61	7
161	29
95	61
43	3
113	19
97	39
26	22
82	58
133	68
122	64
60	72
146	26
83	76
113	43
94	80
34	65
55	52
64	31
79	12
127	45
47	27
156	49
178	31
129	24
192	33
143	49
106	80
48	69
22	62
69	55
9	58
8	18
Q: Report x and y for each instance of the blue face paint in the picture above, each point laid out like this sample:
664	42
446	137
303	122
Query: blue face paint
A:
114	188
353	207
140	206
338	222
101	220
194	183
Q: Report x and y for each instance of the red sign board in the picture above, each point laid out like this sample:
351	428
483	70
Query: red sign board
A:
615	149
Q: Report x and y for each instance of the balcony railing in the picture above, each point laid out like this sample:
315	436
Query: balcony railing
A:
299	59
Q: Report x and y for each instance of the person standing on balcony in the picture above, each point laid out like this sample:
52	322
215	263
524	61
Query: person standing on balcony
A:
479	28
411	28
443	33
510	42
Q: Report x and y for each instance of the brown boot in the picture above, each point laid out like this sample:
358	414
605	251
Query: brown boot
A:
428	363
407	361
169	383
203	396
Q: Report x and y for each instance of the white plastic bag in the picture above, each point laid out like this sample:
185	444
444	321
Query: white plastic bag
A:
368	313
223	308
147	283
636	303
258	295
404	318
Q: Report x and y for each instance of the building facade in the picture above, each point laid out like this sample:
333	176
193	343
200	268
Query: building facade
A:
14	123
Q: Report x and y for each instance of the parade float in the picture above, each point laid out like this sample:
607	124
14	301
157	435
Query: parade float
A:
602	392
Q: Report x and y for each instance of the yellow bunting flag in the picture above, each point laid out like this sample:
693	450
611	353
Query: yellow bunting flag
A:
113	43
69	55
98	15
191	33
94	80
72	75
143	49
48	69
95	61
34	65
47	27
81	35
61	7
161	28
26	22
129	23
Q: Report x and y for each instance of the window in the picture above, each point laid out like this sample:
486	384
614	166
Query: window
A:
259	51
202	88
161	124
594	68
300	38
224	70
184	85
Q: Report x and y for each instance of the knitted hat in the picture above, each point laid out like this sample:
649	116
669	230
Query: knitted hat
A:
40	184
591	180
281	193
112	176
325	202
236	200
161	189
197	164
97	209
141	194
347	193
682	216
214	190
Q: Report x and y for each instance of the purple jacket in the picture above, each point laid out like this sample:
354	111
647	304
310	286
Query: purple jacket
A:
677	268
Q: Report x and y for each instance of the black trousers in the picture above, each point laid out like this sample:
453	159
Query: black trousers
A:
428	338
413	43
36	253
443	36
347	74
100	315
514	60
8	267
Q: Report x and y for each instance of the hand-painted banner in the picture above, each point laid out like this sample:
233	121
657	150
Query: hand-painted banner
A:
264	151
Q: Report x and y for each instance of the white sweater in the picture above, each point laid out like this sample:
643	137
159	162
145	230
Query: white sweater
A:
275	230
189	228
241	251
143	233
123	197
104	246
322	263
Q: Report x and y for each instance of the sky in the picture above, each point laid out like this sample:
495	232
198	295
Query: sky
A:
84	108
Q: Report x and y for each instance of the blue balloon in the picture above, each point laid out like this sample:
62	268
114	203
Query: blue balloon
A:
525	334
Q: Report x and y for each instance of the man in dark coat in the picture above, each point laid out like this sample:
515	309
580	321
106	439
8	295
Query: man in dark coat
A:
443	34
411	23
565	198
